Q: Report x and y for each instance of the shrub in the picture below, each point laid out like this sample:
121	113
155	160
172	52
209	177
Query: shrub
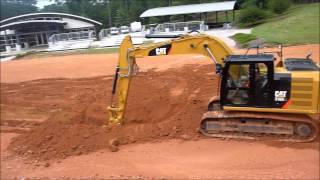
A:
251	15
249	3
279	6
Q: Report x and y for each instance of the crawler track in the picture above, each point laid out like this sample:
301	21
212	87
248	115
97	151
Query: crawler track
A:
273	126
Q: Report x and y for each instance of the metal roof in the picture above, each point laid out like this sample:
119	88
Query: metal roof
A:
51	14
19	23
189	9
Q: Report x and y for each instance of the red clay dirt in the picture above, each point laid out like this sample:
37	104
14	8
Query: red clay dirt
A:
159	108
78	66
54	124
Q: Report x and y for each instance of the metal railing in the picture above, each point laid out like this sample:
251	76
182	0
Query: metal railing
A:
181	26
104	33
72	36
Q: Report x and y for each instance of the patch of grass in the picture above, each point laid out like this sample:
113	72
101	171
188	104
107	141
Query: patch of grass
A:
18	56
92	51
146	42
98	51
299	25
243	39
68	52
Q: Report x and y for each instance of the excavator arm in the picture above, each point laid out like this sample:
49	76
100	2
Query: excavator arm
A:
202	44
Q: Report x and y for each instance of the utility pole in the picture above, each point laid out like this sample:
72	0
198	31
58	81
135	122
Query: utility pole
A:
109	13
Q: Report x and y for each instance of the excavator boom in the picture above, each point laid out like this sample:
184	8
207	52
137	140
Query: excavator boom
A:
201	44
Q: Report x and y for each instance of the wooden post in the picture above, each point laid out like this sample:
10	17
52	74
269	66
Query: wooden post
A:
5	37
206	17
17	39
233	15
226	12
216	16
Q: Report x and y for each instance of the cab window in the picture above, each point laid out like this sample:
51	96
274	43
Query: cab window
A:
238	84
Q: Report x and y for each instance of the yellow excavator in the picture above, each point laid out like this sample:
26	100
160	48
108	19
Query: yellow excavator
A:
258	97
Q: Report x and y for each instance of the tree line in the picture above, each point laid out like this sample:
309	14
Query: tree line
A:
115	12
110	12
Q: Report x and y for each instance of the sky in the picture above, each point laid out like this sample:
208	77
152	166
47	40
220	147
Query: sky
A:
42	3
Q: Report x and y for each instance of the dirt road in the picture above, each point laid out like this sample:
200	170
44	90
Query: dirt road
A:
53	124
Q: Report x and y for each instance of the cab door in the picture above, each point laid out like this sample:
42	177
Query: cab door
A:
247	84
263	84
236	89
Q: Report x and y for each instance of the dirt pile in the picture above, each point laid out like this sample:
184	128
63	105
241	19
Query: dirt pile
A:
161	105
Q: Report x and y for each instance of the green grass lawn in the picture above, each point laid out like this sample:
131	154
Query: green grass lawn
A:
243	40
299	26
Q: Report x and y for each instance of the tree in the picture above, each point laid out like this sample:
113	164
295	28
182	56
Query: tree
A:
252	15
120	12
10	8
121	17
279	6
263	4
55	8
27	2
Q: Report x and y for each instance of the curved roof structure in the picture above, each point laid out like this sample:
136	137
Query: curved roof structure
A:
31	22
25	17
189	9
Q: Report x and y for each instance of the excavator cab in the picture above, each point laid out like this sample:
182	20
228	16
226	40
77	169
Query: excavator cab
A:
255	98
247	81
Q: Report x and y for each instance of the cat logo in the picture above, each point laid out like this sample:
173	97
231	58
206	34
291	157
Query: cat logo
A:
161	51
280	95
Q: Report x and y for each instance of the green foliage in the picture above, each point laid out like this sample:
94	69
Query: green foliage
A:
154	20
121	18
15	8
279	6
55	8
253	3
299	25
27	2
122	12
252	15
176	18
243	39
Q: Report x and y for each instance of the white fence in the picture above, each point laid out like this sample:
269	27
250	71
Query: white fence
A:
104	33
181	26
72	36
73	40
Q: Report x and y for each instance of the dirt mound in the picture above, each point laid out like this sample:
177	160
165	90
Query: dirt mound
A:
161	105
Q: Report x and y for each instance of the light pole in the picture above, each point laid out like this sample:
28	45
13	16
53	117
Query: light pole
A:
109	14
